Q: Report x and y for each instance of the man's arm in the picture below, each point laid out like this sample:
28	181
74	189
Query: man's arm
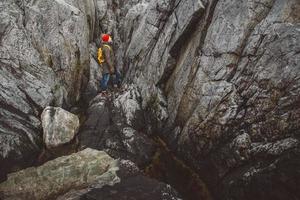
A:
108	58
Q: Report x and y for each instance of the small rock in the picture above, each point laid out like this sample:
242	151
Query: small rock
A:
59	126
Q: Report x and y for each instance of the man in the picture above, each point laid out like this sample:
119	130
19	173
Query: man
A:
107	62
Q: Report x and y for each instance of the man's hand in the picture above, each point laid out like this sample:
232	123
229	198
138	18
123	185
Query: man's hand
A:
111	71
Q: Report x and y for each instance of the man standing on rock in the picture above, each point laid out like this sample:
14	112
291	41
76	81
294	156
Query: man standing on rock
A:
106	60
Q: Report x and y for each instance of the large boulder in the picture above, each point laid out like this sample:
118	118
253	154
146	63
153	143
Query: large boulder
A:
89	174
60	175
59	125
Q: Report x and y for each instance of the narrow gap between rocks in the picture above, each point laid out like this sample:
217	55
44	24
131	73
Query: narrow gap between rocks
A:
168	168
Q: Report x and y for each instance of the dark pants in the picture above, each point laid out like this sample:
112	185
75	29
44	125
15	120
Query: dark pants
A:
116	78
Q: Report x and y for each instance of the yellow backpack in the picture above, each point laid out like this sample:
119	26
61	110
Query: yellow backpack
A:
100	54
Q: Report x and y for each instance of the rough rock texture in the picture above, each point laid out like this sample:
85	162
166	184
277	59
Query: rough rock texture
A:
93	86
59	125
44	57
133	185
88	174
115	124
229	72
60	175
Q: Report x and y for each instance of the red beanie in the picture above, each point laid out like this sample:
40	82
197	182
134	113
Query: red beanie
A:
105	37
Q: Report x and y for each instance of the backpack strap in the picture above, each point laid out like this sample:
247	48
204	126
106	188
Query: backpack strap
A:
105	45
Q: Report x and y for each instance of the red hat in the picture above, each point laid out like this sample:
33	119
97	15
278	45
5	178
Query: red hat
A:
105	37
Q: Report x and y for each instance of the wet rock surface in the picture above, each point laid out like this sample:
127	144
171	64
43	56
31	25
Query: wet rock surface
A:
168	168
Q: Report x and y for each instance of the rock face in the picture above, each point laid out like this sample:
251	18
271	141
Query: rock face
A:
60	126
229	72
60	175
44	57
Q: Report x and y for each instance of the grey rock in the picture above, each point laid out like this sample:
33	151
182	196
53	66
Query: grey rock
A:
59	125
241	145
133	185
276	148
58	176
25	89
128	103
44	58
93	86
229	72
116	125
